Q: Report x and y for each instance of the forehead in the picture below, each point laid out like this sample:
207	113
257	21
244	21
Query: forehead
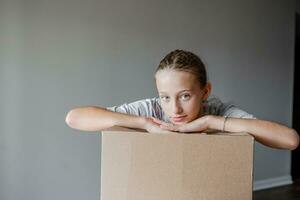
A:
170	80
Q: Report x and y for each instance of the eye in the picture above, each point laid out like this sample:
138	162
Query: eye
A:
164	98
185	97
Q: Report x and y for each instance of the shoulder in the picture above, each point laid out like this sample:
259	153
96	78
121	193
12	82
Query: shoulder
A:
142	107
215	106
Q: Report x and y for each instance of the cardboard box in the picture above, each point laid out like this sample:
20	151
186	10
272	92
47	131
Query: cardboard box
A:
136	165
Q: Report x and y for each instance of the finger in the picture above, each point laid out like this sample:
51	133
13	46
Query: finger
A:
183	128
156	120
169	127
186	128
161	122
191	128
168	131
165	127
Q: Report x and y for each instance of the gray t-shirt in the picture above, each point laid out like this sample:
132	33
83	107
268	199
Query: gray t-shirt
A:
151	107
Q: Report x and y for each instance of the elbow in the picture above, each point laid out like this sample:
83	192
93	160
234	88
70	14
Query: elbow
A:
294	142
71	118
83	118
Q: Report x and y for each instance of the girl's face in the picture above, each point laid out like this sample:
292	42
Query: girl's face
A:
181	95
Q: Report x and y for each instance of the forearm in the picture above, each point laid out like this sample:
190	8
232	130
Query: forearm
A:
97	119
266	132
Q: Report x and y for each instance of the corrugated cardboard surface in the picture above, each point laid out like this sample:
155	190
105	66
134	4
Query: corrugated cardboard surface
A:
144	166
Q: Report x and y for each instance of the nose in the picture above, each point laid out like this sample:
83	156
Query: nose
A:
176	107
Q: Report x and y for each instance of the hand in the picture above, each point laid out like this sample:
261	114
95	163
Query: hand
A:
199	125
152	125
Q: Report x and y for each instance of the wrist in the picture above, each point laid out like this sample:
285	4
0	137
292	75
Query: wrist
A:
130	121
141	122
215	122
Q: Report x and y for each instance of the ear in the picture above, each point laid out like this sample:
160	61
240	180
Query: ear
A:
206	91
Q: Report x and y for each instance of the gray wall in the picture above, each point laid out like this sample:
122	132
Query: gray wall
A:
59	54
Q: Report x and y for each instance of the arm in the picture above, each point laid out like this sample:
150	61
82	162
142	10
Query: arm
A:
96	119
266	132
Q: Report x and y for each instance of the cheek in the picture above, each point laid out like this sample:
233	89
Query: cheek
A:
165	107
192	107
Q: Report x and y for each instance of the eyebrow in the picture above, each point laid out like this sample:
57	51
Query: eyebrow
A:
178	92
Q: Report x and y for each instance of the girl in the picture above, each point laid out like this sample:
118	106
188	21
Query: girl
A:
183	105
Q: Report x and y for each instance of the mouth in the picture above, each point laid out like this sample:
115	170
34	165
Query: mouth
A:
179	118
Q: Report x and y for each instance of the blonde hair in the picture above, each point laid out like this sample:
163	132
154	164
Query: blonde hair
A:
184	61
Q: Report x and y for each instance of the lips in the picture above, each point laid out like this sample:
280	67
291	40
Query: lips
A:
178	119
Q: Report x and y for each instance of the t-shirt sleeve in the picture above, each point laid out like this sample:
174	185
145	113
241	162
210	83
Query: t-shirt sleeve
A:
215	106
235	112
142	107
